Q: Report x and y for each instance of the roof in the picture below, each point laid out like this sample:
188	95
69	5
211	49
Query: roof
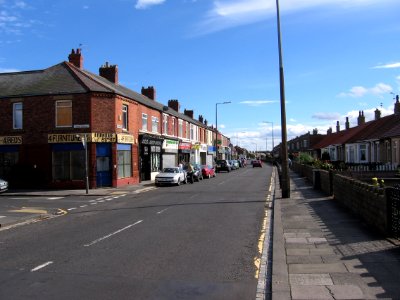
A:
66	78
339	138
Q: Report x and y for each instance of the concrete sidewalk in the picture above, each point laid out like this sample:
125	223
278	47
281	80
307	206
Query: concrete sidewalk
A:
320	251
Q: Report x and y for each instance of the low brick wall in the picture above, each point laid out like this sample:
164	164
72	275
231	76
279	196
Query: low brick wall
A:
364	200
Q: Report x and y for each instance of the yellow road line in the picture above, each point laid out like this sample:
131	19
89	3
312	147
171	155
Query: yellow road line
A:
30	210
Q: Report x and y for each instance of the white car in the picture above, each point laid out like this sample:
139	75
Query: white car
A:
173	175
3	185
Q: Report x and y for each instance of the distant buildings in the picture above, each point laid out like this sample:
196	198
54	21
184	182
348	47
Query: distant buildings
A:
45	114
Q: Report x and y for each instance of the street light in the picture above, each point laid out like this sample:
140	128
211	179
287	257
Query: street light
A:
84	140
272	133
216	126
285	183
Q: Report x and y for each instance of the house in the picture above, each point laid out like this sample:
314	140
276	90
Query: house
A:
49	117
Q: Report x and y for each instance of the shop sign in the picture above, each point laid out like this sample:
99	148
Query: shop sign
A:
125	139
170	144
76	138
185	146
153	142
196	147
203	148
10	140
211	149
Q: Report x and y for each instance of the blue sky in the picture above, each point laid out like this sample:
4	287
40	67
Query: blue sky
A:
340	56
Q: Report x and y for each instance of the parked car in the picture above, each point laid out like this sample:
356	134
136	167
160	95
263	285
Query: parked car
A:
256	163
170	176
208	171
222	165
196	175
3	185
234	164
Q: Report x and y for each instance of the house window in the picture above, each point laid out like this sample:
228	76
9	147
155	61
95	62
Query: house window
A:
64	113
165	124
305	144
173	127
191	131
124	154
187	130
363	153
154	124
125	117
180	128
17	115
69	165
144	122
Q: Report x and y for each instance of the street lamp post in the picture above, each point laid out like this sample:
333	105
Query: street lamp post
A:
272	133
216	126
84	139
285	183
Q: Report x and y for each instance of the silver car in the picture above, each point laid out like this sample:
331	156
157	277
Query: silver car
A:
173	175
3	185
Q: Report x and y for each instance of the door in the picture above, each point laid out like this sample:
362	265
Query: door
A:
103	165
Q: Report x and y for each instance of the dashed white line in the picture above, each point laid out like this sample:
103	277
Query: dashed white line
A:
101	201
83	205
111	234
94	203
161	211
2	217
41	266
72	208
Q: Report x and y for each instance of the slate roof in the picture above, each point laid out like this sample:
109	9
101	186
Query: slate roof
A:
65	78
339	138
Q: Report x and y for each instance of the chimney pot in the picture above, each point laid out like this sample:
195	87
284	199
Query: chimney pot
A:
149	92
76	58
174	104
110	72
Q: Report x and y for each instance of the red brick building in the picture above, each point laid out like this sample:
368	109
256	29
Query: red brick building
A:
46	114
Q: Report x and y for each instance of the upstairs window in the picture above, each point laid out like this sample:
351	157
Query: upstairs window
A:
191	131
144	122
173	127
17	115
154	124
180	128
125	117
165	123
64	113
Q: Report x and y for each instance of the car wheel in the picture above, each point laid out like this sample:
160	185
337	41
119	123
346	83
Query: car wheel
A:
157	184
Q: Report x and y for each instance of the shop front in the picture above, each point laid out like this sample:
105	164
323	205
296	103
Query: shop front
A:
170	153
150	156
184	151
9	155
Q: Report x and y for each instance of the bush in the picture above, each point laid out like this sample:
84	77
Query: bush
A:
305	158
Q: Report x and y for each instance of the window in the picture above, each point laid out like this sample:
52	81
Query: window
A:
187	130
154	124
144	122
191	131
64	113
124	154
125	117
305	144
363	153
155	161
180	128
17	115
7	161
173	127
69	165
165	124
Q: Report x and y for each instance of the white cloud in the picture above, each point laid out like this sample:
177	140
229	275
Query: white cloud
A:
326	116
360	91
388	66
143	4
257	102
226	14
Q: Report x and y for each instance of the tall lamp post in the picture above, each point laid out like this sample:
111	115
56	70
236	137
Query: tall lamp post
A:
216	126
84	140
272	133
285	183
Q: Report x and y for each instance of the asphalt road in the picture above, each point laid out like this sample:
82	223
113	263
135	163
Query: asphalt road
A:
195	241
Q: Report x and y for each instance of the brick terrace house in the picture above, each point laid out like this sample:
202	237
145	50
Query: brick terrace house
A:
46	114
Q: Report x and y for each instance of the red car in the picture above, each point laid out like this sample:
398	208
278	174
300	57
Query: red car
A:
256	163
208	171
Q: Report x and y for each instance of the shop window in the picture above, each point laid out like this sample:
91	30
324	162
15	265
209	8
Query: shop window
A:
17	115
125	117
155	162
144	122
69	165
7	161
124	163
64	113
154	124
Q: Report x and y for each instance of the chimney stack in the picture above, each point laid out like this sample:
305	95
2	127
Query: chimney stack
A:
397	106
347	124
205	122
200	118
377	114
337	126
315	131
149	92
329	131
109	72
76	58
361	118
188	113
174	104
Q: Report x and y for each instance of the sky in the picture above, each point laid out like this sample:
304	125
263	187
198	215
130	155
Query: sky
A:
339	56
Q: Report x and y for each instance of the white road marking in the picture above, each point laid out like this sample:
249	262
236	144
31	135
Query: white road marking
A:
83	205
55	198
72	208
101	201
94	203
2	217
111	234
161	211
41	266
